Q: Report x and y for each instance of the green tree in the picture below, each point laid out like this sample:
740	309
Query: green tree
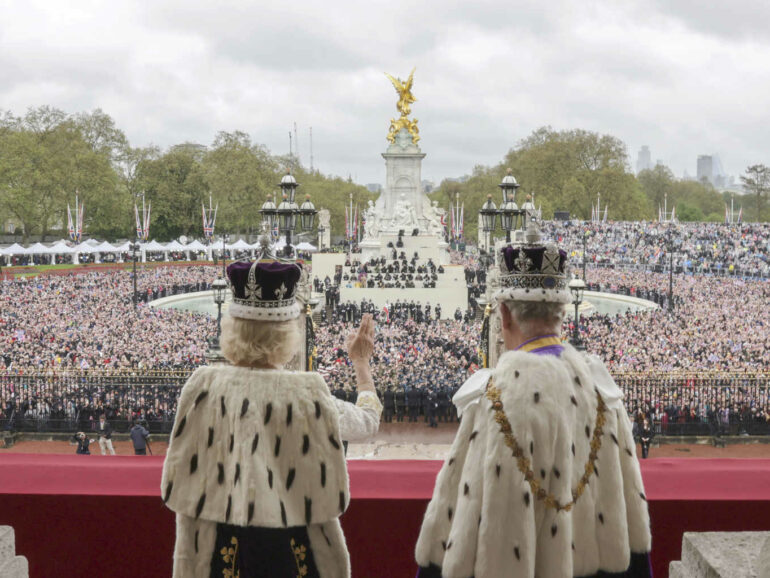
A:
239	175
756	182
175	185
45	161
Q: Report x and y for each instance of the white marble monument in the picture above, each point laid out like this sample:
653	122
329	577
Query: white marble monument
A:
403	206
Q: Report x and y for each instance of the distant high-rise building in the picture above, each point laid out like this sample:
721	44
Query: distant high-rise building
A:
705	168
643	160
374	187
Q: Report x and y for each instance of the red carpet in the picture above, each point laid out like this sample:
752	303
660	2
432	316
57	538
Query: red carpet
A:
102	516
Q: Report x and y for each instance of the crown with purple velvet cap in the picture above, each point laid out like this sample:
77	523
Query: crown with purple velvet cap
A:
264	290
533	271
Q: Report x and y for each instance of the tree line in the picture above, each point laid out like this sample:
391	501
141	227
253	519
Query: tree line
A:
47	156
568	170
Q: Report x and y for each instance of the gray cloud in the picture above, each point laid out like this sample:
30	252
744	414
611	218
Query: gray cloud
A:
681	77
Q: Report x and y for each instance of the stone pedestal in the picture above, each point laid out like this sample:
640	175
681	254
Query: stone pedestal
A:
723	555
403	178
11	565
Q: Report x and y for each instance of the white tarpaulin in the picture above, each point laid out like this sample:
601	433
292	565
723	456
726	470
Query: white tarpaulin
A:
104	247
14	249
153	246
60	248
37	249
239	245
305	246
175	246
195	246
85	248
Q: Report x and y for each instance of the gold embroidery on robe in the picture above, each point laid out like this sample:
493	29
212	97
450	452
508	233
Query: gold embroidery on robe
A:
300	553
230	555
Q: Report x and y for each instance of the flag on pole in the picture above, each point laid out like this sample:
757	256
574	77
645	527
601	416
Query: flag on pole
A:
462	220
79	224
70	227
347	224
727	215
740	215
452	223
673	214
138	222
604	219
146	229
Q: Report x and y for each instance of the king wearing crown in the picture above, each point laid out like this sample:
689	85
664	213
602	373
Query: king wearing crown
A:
255	470
542	479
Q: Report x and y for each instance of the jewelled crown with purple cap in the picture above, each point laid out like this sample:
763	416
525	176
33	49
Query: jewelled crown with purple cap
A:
533	271
264	290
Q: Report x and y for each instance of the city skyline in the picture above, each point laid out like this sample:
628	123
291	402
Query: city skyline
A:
487	76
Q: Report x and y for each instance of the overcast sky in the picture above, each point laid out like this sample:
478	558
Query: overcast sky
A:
684	77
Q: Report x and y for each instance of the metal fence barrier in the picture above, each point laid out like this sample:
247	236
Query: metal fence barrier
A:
742	392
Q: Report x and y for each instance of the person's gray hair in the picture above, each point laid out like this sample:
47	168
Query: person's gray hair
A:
529	313
255	343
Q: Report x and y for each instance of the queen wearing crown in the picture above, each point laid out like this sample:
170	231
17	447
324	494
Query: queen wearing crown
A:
255	469
542	478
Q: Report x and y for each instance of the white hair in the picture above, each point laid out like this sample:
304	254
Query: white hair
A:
530	313
259	343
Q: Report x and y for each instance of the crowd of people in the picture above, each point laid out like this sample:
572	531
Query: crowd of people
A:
713	323
742	249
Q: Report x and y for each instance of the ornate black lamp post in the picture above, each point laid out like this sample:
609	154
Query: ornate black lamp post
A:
219	288
134	247
509	210
307	213
488	215
269	214
511	217
285	214
577	287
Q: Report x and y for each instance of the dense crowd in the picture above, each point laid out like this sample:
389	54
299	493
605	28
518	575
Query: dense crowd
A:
87	322
742	249
715	324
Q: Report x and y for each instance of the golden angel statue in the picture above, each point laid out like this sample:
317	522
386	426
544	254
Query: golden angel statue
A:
405	99
404	90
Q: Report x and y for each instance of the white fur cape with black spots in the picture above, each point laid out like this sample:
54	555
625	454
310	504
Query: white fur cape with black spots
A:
261	448
501	511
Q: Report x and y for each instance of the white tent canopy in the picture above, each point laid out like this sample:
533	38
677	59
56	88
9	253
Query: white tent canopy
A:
104	247
239	245
305	246
280	244
153	246
85	248
60	248
175	246
14	249
195	246
37	249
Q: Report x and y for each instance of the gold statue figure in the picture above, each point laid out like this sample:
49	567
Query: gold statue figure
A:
405	99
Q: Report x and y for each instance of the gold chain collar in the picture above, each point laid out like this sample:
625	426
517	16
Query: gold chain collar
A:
523	462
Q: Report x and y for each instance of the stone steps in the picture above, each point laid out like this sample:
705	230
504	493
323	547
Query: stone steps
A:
11	565
723	555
